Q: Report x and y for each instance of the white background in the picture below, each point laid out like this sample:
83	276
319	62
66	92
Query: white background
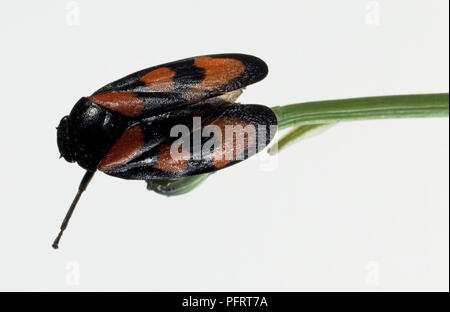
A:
363	206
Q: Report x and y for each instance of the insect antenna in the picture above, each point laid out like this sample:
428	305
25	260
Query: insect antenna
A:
83	185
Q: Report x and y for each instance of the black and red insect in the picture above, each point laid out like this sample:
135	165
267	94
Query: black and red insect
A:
123	129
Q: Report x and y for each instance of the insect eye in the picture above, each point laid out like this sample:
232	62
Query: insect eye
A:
65	139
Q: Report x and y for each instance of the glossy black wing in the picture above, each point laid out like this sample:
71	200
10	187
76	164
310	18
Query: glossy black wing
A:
200	138
179	83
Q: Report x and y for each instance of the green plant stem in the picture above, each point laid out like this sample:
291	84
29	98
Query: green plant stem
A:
307	118
378	107
297	133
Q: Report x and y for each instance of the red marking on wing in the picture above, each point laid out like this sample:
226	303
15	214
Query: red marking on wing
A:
218	72
237	137
171	163
125	103
126	148
160	79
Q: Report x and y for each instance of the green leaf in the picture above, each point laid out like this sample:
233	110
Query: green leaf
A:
177	186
